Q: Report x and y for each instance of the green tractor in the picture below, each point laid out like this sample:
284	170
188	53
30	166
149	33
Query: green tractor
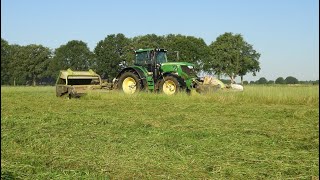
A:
152	72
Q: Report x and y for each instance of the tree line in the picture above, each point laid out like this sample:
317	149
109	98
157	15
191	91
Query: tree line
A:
229	55
281	80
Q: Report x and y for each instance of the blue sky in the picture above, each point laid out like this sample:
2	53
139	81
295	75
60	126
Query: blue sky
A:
285	32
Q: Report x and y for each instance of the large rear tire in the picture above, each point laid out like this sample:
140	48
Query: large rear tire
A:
129	83
169	85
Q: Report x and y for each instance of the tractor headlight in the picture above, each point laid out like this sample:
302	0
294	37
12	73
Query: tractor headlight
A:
190	67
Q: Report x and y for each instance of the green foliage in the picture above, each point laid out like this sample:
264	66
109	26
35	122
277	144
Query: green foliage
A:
270	82
19	57
232	56
37	62
147	41
5	60
280	80
190	49
245	82
109	53
309	82
262	81
24	64
250	60
75	55
264	132
291	80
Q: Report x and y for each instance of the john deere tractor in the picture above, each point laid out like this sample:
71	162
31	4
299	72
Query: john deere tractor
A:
152	72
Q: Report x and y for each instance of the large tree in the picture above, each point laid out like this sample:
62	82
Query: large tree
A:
291	80
37	62
17	66
188	48
28	64
75	55
249	62
5	59
262	80
147	41
109	53
232	56
280	80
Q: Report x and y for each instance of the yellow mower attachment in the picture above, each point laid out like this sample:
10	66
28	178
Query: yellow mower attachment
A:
76	83
212	84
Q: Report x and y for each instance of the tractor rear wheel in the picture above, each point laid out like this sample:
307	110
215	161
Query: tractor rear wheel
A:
169	85
129	83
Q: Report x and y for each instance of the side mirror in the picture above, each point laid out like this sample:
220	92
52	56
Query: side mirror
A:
123	64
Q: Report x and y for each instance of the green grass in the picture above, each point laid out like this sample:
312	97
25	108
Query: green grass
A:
265	132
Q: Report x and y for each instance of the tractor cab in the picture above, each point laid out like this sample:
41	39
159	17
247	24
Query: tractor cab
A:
148	58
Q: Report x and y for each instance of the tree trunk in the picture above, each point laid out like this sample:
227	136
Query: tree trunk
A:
34	82
14	81
232	79
242	80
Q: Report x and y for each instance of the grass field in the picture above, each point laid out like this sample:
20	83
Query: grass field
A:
265	132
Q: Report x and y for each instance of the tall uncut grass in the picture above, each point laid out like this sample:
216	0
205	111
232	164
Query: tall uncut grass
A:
264	132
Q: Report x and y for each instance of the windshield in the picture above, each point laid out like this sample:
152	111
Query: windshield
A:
161	57
142	58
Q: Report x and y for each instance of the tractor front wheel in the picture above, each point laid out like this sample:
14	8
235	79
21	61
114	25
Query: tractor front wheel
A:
129	83
169	85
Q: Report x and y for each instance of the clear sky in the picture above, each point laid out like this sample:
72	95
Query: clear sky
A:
285	32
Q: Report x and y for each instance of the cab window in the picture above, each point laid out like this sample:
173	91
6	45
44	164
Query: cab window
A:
142	58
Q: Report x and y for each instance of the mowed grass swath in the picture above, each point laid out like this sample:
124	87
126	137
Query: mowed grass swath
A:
264	132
